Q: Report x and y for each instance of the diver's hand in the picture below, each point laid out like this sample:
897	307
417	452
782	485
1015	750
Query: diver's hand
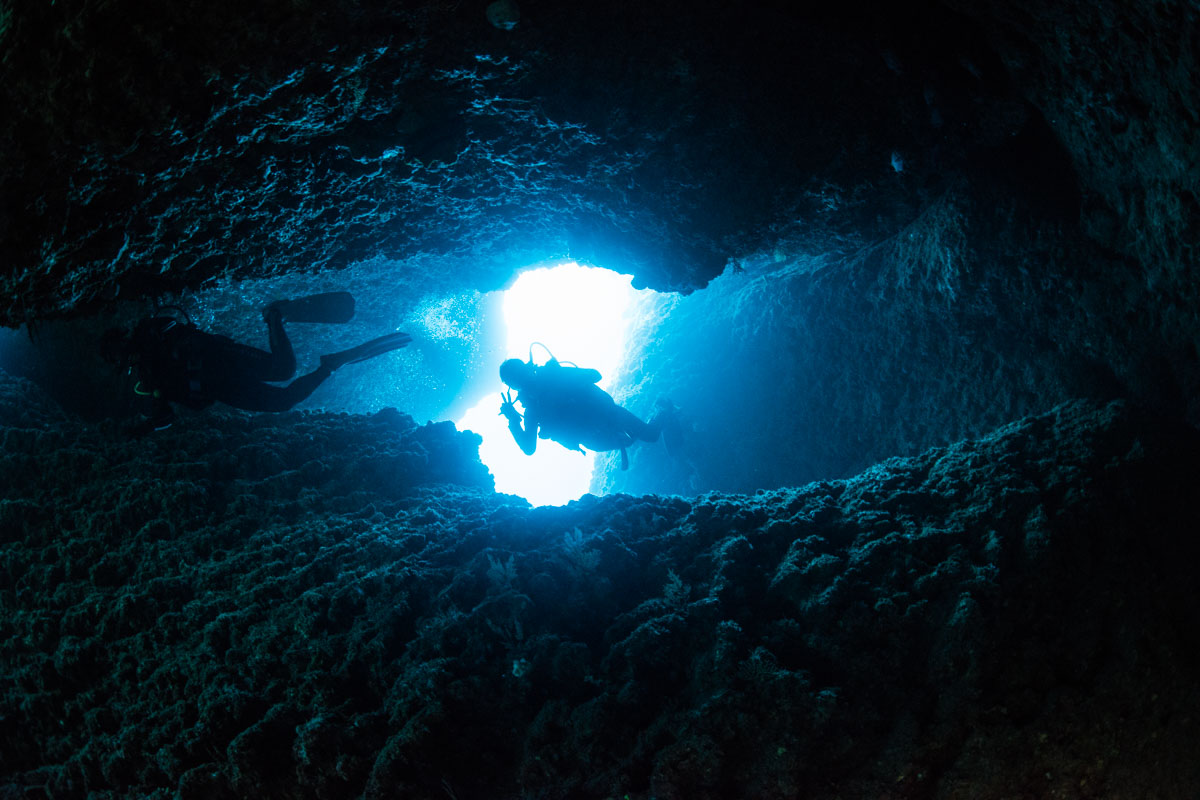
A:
508	409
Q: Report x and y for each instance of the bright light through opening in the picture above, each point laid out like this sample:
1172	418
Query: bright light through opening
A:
580	314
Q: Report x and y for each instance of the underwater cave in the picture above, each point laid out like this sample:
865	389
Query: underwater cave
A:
918	281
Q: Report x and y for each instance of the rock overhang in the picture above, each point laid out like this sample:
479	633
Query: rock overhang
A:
149	153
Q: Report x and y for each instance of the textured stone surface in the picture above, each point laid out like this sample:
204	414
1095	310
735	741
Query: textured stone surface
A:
148	150
333	606
934	223
794	369
1003	196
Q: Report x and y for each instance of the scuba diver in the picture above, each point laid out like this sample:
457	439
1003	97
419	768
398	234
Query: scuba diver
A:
176	362
564	404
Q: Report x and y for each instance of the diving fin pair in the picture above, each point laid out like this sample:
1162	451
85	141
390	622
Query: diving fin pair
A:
375	347
326	307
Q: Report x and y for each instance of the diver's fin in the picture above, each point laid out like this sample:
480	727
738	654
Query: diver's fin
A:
670	426
375	347
327	307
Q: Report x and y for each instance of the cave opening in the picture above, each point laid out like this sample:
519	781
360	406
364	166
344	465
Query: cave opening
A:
576	314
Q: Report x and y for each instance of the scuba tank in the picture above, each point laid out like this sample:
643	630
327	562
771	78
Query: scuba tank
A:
552	359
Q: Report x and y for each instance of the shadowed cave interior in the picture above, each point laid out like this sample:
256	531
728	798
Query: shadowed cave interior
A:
921	280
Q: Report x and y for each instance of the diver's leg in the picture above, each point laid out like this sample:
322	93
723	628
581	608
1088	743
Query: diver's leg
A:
281	365
234	363
259	396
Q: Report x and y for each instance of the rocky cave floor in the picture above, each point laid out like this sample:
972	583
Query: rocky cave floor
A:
329	605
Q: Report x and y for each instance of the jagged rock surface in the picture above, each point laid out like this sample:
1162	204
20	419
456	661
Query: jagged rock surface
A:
319	605
1002	194
933	222
151	150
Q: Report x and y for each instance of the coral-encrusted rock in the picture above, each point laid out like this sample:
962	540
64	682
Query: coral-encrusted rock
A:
148	151
24	406
256	609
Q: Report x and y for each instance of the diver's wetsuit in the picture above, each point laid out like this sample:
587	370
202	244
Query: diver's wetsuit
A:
565	405
180	363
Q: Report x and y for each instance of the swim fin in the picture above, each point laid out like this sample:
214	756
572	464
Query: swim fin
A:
327	307
375	347
670	425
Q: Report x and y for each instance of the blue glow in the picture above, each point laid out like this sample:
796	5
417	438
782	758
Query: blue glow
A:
581	314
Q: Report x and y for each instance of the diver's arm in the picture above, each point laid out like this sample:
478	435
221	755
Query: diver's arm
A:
524	435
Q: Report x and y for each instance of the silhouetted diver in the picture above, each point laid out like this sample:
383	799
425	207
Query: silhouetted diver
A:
564	404
176	362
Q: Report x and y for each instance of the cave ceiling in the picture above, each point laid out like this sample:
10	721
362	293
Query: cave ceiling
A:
151	148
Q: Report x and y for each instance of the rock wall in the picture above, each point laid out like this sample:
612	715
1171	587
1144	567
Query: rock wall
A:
147	151
792	368
312	605
1001	196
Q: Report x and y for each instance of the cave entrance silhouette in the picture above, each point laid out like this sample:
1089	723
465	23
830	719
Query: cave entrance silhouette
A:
581	314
